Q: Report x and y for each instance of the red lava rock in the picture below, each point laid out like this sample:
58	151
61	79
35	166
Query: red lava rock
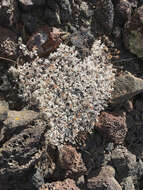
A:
113	127
67	184
46	40
70	161
104	180
8	43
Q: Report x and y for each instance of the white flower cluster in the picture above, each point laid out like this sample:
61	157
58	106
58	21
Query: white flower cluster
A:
71	92
24	50
9	47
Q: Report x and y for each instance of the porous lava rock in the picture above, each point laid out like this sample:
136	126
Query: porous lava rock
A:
113	126
20	146
14	121
70	162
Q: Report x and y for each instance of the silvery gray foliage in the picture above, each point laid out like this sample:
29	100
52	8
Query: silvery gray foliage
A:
70	91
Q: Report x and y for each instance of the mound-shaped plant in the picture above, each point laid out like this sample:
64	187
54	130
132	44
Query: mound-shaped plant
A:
70	91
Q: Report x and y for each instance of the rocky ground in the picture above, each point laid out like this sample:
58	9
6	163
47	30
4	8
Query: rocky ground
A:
111	158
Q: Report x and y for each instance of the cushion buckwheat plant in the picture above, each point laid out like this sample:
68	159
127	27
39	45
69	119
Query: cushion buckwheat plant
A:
70	91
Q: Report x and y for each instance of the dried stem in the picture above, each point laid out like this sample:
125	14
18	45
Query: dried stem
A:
7	59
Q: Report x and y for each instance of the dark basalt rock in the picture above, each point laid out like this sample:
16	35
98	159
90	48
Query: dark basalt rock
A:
133	33
104	15
122	12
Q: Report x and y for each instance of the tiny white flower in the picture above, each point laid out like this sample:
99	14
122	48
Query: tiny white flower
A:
71	92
